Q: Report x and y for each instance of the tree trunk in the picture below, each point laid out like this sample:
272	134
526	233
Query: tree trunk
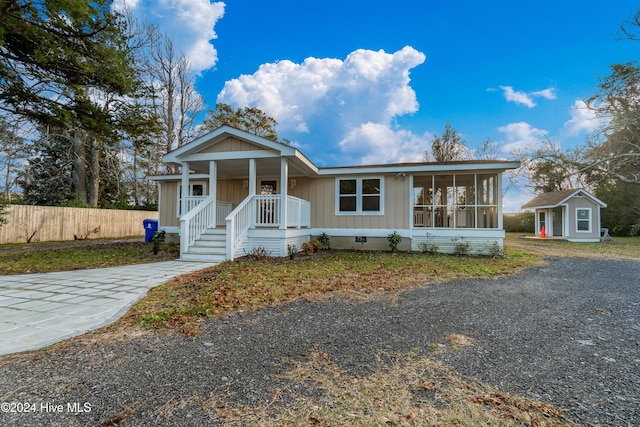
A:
94	171
79	171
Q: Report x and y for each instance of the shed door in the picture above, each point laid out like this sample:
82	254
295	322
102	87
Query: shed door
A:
557	221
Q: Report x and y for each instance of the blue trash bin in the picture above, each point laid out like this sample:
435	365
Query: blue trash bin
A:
150	228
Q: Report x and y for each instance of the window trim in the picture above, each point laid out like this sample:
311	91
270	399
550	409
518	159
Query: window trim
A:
359	196
589	220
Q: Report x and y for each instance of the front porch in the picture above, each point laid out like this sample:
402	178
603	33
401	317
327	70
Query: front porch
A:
212	231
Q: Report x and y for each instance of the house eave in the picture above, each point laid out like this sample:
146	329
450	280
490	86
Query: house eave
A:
467	166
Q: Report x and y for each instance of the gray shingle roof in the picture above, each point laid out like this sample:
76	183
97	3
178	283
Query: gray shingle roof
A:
557	197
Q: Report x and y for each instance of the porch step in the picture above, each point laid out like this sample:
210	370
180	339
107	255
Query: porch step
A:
209	247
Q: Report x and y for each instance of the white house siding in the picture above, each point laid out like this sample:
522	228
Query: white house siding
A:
481	241
274	242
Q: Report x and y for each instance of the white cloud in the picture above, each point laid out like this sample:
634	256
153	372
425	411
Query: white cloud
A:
357	97
189	23
520	136
379	144
524	98
583	119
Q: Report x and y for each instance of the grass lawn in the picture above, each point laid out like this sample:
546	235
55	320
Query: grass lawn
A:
618	248
47	257
245	285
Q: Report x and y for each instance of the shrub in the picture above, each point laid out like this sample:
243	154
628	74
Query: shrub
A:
428	246
325	240
394	240
292	250
157	241
259	253
461	247
495	251
308	248
635	230
521	222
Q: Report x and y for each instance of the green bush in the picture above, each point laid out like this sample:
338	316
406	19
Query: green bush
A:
461	248
394	240
521	222
292	250
325	240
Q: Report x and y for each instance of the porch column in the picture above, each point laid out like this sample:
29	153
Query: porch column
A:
184	170
252	177
213	188
284	180
501	200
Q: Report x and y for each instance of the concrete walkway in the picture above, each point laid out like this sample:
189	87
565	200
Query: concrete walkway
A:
37	310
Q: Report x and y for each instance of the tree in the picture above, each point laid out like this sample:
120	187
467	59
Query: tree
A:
250	119
176	102
548	176
47	179
69	66
12	151
623	206
614	151
52	51
449	147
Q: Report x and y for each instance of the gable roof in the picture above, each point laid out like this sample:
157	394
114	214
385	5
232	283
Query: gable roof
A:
219	134
557	198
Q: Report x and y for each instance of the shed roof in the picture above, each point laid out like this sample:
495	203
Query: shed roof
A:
556	198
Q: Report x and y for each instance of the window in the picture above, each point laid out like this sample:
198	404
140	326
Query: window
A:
456	201
583	220
359	196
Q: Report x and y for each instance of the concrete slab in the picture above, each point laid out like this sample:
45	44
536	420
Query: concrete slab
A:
37	310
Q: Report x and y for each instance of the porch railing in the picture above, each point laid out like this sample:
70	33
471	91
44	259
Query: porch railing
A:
263	210
193	201
199	218
223	209
238	225
195	221
298	212
267	210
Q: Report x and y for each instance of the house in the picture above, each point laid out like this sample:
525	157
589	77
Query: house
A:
238	193
572	214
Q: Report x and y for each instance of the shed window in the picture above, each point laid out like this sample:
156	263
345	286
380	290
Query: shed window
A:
583	220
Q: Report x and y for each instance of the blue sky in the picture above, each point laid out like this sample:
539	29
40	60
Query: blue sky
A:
354	82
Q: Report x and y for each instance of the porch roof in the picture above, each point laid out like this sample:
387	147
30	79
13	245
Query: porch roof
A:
233	164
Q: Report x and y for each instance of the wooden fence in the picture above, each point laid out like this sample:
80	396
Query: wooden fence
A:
47	223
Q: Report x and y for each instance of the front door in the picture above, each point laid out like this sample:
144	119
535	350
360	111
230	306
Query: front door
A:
557	221
268	207
268	187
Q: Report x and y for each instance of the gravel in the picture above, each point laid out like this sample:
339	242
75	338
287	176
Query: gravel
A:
567	333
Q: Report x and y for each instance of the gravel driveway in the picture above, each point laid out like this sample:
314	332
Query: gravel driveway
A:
567	333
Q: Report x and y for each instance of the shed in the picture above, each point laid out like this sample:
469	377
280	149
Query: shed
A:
573	214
